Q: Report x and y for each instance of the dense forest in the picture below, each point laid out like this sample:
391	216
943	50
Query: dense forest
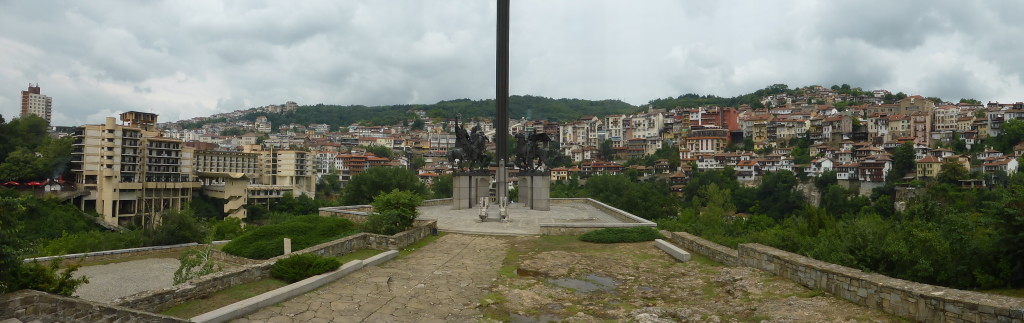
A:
530	107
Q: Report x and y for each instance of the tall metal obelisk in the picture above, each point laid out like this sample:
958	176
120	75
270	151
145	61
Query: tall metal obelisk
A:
501	100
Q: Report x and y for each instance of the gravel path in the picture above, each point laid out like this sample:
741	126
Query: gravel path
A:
108	282
442	282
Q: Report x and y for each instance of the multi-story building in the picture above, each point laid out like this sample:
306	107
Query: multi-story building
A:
35	103
131	173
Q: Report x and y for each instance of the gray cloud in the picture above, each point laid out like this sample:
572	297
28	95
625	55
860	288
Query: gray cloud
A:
184	59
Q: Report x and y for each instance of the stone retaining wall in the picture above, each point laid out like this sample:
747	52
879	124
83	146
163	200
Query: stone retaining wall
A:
921	302
706	248
581	228
916	301
354	213
29	305
435	202
611	210
116	254
162	299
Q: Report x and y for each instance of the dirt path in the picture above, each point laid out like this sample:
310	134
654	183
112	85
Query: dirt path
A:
442	282
563	279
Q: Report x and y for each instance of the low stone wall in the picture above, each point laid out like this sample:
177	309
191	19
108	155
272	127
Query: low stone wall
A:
435	202
916	301
420	229
162	299
611	210
116	254
354	213
706	248
581	228
921	302
224	257
29	305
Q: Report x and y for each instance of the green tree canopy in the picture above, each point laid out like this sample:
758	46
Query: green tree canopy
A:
362	188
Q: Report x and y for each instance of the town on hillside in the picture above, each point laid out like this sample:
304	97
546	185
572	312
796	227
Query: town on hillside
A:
137	165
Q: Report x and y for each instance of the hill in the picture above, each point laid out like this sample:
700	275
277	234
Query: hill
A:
530	107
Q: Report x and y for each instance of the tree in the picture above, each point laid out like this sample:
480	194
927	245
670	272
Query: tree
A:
393	212
177	227
951	172
362	188
969	101
826	179
380	151
607	150
195	262
443	186
903	162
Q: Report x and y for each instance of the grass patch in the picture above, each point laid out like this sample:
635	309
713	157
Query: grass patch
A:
304	231
705	260
223	298
359	255
810	293
420	244
618	235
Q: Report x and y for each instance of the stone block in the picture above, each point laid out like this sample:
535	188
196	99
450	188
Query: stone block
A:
672	250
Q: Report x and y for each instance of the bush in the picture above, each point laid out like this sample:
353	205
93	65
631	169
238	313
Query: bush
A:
90	241
226	229
301	266
616	235
50	279
176	227
305	231
386	223
392	212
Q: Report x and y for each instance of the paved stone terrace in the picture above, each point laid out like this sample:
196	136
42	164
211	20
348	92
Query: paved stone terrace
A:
522	221
442	282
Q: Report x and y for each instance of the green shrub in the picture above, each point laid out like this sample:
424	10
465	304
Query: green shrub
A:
226	229
392	212
615	235
386	223
90	241
305	231
47	278
177	227
301	266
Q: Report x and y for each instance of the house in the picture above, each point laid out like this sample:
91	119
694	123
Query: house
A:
1000	164
820	165
928	167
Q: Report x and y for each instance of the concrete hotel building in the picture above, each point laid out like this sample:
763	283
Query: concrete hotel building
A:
130	171
255	176
32	102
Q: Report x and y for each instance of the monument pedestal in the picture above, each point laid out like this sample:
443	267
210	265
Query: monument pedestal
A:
468	188
535	190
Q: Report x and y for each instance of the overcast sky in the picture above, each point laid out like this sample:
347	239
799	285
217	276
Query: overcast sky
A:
182	59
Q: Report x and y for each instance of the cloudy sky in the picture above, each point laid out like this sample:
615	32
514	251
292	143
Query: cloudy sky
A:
182	59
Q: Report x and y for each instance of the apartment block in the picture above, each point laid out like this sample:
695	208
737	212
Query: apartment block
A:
131	173
33	102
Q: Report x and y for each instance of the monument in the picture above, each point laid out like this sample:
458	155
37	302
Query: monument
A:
472	180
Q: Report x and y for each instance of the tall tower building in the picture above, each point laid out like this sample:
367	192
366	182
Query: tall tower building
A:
32	102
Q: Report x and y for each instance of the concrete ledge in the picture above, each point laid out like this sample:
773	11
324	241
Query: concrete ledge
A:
255	303
111	252
672	250
380	258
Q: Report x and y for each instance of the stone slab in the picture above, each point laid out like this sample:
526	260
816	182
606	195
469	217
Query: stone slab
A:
672	250
255	303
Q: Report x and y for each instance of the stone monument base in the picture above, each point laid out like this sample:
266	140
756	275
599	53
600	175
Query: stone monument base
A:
535	190
468	188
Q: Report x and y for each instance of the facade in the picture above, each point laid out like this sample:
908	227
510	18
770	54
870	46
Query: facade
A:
130	172
35	103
